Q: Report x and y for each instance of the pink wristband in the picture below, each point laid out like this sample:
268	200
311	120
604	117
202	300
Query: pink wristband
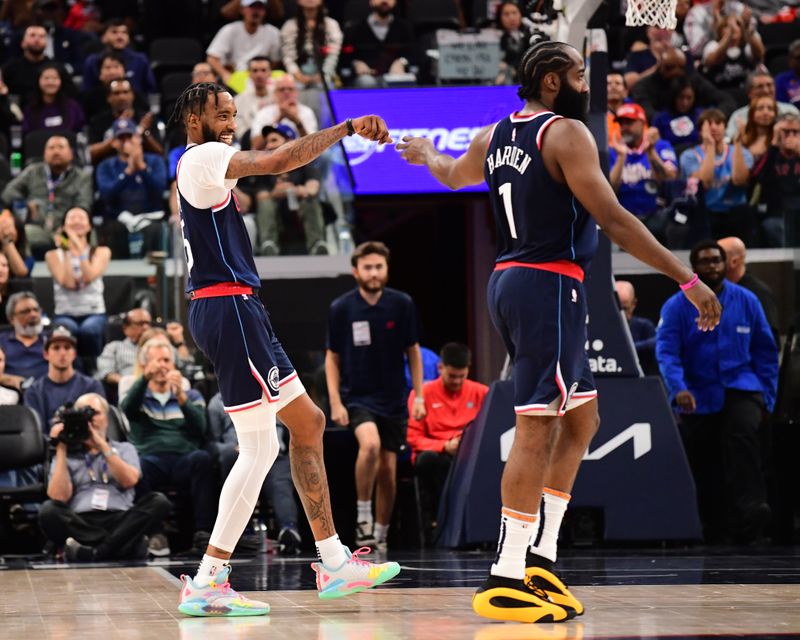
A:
688	285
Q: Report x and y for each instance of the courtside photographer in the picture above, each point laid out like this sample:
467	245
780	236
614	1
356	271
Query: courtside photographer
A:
91	513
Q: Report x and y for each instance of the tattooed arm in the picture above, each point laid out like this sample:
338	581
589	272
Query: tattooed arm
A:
297	153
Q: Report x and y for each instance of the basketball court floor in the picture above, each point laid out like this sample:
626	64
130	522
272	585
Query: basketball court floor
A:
641	594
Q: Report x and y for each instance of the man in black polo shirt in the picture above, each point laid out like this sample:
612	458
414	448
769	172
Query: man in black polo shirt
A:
370	329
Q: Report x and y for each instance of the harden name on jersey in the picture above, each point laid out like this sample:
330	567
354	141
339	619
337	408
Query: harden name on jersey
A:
509	155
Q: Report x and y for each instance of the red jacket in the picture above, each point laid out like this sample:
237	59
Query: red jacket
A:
447	414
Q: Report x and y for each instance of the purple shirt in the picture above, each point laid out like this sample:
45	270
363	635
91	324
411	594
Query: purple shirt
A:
67	115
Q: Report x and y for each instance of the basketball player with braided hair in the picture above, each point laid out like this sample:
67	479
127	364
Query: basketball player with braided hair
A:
256	379
548	194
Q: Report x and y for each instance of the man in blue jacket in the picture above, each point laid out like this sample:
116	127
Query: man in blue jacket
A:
132	186
721	382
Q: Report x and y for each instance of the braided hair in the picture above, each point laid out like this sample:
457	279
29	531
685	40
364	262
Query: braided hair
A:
193	100
542	58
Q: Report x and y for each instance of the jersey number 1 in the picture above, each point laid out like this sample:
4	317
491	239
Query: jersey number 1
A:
505	192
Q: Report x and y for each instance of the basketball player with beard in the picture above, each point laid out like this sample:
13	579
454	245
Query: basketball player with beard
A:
548	193
256	379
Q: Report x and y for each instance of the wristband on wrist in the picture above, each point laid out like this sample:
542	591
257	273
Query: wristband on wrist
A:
688	285
419	400
350	129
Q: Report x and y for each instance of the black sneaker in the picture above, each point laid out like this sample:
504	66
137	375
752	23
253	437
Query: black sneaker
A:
289	542
158	545
364	535
74	551
200	542
500	598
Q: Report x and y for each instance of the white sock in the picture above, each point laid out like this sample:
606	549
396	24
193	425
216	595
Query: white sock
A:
381	532
516	529
209	567
545	542
364	511
331	552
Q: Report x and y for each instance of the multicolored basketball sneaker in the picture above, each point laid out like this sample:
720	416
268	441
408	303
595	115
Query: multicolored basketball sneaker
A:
353	576
217	599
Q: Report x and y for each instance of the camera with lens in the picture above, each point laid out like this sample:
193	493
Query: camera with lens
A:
76	424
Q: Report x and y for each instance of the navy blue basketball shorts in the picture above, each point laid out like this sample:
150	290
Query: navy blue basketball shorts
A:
541	316
235	333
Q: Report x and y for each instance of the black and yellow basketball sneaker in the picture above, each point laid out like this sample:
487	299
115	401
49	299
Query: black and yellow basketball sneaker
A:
539	574
512	600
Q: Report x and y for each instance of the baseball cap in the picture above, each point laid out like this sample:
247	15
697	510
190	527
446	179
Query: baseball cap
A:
631	111
281	129
250	3
60	333
123	126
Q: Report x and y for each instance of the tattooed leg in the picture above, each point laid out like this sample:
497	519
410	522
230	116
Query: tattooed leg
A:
306	423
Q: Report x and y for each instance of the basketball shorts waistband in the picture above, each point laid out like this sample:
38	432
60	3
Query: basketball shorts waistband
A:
563	267
223	289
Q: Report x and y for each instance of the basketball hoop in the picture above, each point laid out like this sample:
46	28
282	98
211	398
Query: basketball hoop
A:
658	13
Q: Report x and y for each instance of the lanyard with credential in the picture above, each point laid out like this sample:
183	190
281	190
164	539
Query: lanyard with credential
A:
90	470
52	185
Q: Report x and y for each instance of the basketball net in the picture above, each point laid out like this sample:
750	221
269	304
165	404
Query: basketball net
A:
658	13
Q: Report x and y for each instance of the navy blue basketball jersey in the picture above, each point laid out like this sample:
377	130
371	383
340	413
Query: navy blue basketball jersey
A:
215	239
538	219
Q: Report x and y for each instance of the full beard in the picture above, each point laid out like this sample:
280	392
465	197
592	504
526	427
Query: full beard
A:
210	136
370	287
712	280
571	103
29	330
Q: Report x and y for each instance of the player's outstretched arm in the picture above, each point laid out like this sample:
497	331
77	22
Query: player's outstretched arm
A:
454	173
297	153
571	149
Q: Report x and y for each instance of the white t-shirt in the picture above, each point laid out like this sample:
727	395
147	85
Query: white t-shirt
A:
9	396
248	104
201	174
235	47
269	115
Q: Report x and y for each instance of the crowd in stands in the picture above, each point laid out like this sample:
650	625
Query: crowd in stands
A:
85	76
696	127
747	186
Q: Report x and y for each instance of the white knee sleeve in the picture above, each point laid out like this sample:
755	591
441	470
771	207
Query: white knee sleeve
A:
258	448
